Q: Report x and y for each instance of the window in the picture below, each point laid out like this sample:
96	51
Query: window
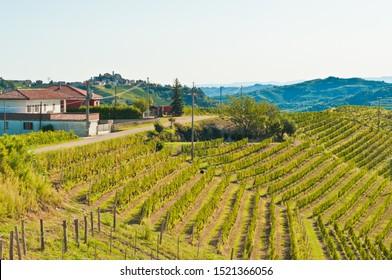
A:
54	107
44	108
36	108
28	108
28	126
6	126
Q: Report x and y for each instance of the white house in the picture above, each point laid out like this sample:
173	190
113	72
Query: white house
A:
27	110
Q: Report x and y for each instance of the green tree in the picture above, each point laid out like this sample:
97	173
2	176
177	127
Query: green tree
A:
288	127
177	99
172	120
158	127
251	118
141	104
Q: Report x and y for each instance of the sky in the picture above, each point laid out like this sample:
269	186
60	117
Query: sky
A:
201	41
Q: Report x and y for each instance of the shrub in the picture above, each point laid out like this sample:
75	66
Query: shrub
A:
111	112
48	127
158	126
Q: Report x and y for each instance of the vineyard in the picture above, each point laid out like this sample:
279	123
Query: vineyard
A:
323	194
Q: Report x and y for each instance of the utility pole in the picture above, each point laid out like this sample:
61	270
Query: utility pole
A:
379	112
220	90
241	91
220	101
5	118
88	110
148	97
193	125
115	95
40	115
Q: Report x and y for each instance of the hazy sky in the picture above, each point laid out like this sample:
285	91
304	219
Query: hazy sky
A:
205	41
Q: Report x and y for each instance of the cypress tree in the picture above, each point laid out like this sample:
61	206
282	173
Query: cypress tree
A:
177	99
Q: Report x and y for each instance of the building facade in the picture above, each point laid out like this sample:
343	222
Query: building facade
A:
28	110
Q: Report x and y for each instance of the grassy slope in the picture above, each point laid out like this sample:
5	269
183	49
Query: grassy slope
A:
146	240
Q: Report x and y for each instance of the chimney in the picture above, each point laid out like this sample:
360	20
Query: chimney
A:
59	85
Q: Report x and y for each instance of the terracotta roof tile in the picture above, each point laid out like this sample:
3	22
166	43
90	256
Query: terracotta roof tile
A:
13	95
52	92
28	94
72	91
42	94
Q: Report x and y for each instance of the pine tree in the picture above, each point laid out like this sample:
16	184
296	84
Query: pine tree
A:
177	99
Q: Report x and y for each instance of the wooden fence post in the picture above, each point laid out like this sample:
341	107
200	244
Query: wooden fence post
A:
18	243
92	224
85	229
99	219
158	247
88	194
115	213
178	248
111	239
390	170
42	235
11	245
65	239
193	233
76	221
24	238
161	232
134	252
1	249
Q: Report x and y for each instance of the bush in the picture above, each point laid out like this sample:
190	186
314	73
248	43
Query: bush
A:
22	187
48	127
111	112
158	126
203	132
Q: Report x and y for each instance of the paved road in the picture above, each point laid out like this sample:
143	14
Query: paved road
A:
99	138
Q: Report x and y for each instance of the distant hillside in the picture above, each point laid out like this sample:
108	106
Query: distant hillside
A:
314	95
161	94
321	94
8	85
215	91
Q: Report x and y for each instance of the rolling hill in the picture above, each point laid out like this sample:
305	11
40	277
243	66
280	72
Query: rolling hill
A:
321	94
161	94
324	195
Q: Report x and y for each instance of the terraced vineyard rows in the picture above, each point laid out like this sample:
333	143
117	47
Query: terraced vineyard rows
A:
325	194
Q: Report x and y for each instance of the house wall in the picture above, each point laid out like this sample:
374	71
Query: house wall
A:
74	103
48	106
78	103
79	127
21	106
13	106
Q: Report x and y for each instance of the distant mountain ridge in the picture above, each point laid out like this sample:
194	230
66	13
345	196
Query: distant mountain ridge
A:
312	95
114	88
231	90
321	94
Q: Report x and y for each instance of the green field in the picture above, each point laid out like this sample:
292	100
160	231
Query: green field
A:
323	194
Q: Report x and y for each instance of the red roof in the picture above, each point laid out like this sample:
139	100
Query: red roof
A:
53	92
13	95
72	91
28	94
